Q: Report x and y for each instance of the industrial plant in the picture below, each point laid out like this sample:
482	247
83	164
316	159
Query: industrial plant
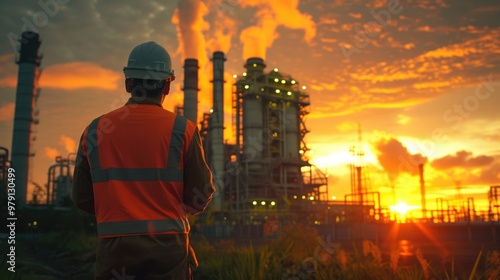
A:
263	176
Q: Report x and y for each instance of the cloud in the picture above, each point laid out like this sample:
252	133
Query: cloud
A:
68	143
489	175
272	14
7	112
51	153
5	60
8	81
423	73
79	75
396	159
347	126
462	159
72	76
221	33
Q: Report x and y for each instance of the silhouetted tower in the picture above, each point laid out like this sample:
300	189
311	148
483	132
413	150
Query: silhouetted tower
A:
217	128
359	184
422	189
25	112
190	109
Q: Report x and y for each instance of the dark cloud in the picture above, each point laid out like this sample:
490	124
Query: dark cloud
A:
489	175
463	159
396	159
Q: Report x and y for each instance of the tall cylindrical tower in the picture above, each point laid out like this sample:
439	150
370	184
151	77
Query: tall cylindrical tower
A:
253	114
422	189
292	128
29	61
191	89
217	127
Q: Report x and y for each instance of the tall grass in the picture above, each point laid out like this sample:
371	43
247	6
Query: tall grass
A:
300	254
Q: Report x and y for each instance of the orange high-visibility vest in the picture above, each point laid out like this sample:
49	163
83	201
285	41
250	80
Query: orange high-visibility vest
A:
136	156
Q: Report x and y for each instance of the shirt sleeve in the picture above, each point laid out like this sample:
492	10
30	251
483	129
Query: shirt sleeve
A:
83	192
198	185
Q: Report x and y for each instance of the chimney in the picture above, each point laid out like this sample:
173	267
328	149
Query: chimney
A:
422	189
191	89
254	66
26	94
217	127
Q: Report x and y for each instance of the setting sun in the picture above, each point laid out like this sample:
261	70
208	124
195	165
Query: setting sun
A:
401	208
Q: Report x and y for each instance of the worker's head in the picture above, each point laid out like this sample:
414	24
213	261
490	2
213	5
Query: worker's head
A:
149	71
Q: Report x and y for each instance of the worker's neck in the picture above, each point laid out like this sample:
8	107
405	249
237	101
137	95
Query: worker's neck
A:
145	100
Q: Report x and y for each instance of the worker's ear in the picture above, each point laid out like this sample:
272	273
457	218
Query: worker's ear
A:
128	85
166	88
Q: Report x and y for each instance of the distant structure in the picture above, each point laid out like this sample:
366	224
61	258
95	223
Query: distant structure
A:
422	190
190	109
217	129
25	111
268	173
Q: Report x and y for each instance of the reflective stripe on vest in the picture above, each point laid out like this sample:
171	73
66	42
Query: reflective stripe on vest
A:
170	173
141	227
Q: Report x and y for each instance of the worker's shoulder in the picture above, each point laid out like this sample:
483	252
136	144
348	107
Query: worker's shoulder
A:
190	124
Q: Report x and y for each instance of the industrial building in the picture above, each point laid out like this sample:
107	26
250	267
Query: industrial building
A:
262	175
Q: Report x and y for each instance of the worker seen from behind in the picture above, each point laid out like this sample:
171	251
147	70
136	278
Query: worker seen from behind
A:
141	171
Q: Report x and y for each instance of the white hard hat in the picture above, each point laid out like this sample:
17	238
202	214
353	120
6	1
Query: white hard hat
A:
149	61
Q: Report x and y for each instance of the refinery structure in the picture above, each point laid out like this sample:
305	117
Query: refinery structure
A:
263	176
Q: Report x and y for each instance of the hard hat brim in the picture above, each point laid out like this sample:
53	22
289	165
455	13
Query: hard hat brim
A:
147	74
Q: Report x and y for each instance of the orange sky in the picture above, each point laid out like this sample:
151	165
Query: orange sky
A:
420	77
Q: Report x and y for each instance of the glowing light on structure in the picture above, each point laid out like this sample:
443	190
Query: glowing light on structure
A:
276	80
254	202
247	86
235	76
275	69
244	74
293	82
303	87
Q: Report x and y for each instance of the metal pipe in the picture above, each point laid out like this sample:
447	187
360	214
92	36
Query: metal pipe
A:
29	61
359	174
191	89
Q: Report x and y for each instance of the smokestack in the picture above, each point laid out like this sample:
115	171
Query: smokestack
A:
217	128
254	66
253	115
28	61
422	189
191	89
